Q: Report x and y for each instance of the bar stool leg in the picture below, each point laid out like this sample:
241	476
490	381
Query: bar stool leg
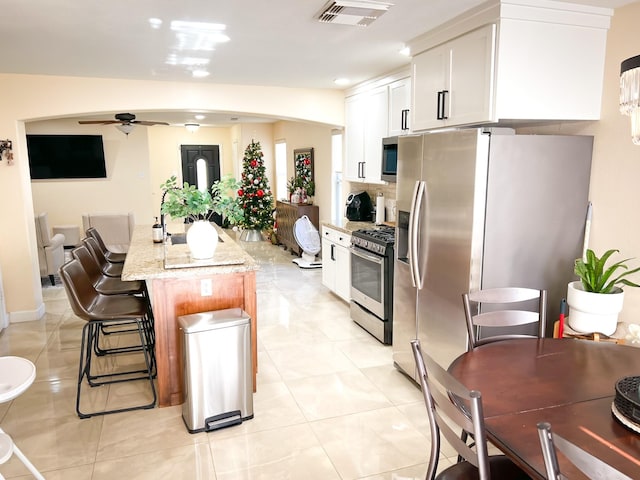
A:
18	453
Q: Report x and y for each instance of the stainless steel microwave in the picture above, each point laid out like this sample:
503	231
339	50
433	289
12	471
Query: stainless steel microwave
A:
389	159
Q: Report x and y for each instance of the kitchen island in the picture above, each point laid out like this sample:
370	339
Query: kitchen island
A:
178	287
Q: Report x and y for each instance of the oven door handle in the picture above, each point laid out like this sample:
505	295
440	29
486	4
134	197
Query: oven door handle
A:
367	256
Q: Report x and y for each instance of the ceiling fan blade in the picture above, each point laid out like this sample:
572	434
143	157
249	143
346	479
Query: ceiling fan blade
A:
148	123
97	122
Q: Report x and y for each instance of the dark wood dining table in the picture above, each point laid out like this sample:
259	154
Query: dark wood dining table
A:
568	383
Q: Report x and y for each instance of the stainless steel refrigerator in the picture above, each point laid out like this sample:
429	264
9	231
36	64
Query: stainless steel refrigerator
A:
481	210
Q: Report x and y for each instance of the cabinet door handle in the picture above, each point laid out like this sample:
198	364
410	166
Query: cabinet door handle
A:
442	100
363	167
404	122
332	255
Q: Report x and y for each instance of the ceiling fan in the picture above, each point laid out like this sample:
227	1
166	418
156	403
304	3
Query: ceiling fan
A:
125	122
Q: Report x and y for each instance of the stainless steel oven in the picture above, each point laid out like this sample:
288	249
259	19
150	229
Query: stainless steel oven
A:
367	280
372	281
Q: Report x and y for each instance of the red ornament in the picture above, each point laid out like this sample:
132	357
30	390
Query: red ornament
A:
240	193
307	161
254	163
260	193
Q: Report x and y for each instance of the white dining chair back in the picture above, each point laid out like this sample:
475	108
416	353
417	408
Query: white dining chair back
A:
452	408
591	466
501	309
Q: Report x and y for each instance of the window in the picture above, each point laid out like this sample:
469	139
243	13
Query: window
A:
201	174
281	170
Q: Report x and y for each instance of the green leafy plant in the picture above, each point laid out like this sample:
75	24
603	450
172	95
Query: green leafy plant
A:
226	201
185	201
597	278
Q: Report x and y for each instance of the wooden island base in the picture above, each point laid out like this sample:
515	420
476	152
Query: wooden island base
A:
172	298
228	281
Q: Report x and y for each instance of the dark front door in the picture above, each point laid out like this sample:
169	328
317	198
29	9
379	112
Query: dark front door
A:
201	160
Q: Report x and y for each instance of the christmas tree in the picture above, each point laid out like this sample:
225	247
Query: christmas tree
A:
255	195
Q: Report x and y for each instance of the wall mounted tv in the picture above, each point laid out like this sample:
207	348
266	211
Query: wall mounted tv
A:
66	156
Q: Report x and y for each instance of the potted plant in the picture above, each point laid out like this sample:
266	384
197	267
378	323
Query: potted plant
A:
596	299
193	205
225	201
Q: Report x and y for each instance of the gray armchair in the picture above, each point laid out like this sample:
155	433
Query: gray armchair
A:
50	248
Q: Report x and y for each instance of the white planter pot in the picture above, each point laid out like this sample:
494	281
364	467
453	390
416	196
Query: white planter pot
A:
202	239
593	312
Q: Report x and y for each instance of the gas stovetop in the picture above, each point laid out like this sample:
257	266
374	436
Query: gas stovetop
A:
378	239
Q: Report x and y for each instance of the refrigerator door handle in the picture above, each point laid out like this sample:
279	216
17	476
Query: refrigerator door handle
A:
414	216
422	200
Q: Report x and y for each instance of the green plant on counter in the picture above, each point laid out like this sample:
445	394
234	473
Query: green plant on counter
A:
596	278
185	201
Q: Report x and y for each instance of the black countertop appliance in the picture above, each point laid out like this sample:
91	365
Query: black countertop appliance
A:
359	208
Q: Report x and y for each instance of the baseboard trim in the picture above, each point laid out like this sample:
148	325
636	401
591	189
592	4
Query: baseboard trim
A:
27	315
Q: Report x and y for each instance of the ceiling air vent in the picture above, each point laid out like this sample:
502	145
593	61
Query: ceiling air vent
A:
352	12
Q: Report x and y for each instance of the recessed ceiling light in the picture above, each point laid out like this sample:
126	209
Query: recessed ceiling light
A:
199	117
341	81
200	73
155	23
200	36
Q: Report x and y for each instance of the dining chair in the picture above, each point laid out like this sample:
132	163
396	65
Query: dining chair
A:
108	268
501	309
446	398
100	310
50	248
113	257
591	466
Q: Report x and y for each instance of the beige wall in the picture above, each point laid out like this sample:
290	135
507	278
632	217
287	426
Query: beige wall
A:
28	98
127	187
304	135
616	161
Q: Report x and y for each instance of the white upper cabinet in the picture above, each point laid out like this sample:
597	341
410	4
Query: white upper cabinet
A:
453	82
509	61
366	124
399	107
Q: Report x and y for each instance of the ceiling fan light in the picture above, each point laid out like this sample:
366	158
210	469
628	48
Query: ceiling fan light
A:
125	128
192	127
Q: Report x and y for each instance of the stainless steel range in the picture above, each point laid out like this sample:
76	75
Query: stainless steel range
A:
372	281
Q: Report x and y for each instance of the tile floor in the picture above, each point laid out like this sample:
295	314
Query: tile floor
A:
329	403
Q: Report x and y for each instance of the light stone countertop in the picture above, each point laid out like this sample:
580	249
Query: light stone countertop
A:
146	260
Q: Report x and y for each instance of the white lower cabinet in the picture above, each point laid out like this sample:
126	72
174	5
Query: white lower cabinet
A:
336	262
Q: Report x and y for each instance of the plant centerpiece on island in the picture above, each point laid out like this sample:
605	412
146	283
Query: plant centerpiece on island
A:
226	201
194	206
596	299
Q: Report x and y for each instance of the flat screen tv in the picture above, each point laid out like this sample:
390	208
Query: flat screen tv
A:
66	156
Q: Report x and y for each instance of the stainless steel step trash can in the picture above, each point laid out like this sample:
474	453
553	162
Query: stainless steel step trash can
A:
218	381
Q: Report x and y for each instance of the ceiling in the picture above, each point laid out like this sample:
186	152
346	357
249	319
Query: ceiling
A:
274	42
